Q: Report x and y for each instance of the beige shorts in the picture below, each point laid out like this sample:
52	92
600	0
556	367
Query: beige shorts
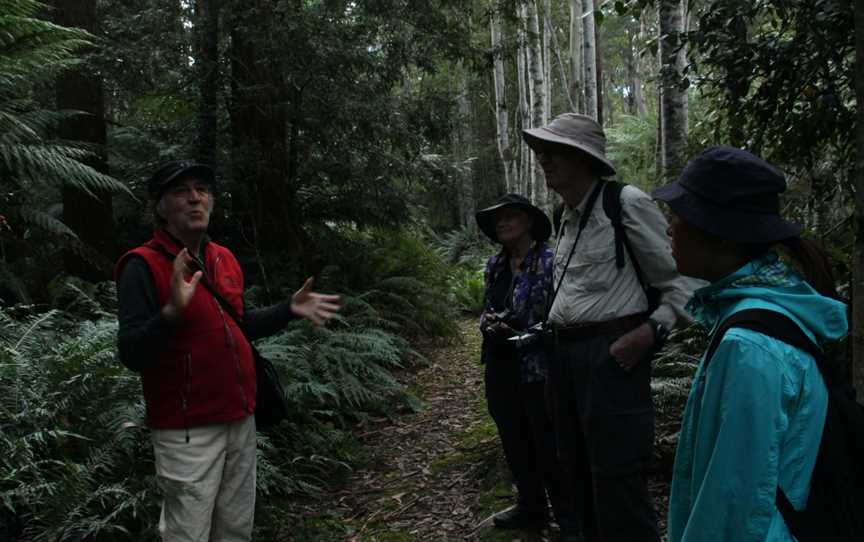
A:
208	484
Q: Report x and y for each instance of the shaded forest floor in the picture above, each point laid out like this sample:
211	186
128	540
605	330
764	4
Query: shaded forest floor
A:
438	474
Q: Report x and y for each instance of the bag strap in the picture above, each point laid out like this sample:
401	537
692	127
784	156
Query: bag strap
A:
583	220
781	327
613	209
232	312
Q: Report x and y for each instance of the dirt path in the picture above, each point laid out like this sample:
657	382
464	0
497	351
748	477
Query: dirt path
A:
437	474
427	469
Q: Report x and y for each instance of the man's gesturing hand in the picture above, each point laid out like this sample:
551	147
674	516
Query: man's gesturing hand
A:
182	290
313	306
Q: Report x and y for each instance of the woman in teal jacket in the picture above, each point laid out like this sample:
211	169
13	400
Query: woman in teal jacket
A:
755	415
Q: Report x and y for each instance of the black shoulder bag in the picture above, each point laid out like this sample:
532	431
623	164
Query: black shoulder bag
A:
270	404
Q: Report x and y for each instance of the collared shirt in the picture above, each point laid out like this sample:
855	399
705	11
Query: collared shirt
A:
527	303
594	289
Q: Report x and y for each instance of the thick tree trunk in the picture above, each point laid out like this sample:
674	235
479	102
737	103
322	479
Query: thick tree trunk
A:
264	150
504	150
538	97
672	102
857	330
207	63
576	58
589	56
81	89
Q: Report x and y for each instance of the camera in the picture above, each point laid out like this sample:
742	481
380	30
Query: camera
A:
528	337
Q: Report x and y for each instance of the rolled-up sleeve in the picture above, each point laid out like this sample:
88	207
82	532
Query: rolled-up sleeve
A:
647	234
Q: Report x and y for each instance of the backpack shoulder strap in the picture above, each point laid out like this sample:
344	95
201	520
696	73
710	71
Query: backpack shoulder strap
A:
612	208
771	323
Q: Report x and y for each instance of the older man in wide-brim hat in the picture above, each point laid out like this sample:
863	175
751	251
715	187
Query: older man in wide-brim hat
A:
604	329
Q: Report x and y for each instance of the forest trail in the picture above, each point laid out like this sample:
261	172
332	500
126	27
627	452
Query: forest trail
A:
437	474
429	475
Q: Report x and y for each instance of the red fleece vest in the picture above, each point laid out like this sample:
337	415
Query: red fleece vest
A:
206	374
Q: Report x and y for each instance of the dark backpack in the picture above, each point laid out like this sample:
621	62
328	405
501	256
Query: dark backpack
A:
837	486
612	208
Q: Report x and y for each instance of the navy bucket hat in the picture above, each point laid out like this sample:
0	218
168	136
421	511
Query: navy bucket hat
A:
540	230
731	194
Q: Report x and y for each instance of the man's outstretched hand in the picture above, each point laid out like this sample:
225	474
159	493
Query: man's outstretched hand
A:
318	308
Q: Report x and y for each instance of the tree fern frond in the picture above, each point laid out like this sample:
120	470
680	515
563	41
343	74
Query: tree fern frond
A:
45	222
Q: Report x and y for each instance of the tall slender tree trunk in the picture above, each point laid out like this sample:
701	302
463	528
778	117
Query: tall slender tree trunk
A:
525	154
80	89
598	53
465	188
672	103
207	62
589	56
538	97
576	58
635	63
501	112
547	60
858	264
550	28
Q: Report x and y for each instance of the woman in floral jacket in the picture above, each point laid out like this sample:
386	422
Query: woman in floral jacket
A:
517	283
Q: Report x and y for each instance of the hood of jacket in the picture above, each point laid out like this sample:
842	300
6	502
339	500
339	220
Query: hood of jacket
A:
769	282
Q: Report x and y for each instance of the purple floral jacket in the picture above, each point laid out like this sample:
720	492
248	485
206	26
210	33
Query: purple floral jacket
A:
529	305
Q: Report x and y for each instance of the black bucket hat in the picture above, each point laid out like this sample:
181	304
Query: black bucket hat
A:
540	230
731	194
169	171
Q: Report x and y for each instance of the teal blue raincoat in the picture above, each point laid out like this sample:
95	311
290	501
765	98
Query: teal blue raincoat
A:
754	417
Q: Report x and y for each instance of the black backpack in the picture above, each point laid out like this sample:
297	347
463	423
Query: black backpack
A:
612	208
834	507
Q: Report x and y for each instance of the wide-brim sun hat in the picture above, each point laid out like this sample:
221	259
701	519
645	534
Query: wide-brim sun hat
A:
541	227
176	169
731	194
579	132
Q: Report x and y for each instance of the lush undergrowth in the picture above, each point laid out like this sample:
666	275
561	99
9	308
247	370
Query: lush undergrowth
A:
75	457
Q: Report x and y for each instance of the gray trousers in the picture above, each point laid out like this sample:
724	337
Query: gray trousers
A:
604	425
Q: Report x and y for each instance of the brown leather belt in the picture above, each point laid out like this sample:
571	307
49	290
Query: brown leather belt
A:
589	330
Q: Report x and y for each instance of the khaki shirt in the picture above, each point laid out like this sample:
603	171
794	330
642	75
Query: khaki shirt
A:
594	289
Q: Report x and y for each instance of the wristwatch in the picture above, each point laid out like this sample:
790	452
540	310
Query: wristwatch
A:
661	333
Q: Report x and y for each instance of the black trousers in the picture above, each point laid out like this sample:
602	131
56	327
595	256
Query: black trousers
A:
526	434
604	425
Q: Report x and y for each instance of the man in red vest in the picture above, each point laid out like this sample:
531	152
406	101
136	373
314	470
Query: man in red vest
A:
195	360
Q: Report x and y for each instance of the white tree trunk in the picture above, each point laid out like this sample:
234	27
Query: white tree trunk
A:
577	89
589	56
525	154
547	62
538	96
501	113
465	189
673	105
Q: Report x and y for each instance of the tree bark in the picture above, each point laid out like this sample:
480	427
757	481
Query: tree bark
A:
547	61
599	68
264	150
207	63
538	97
550	28
576	59
526	156
465	189
589	56
635	65
80	89
501	113
672	102
857	323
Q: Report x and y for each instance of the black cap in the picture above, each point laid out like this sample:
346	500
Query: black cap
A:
541	229
732	194
176	169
